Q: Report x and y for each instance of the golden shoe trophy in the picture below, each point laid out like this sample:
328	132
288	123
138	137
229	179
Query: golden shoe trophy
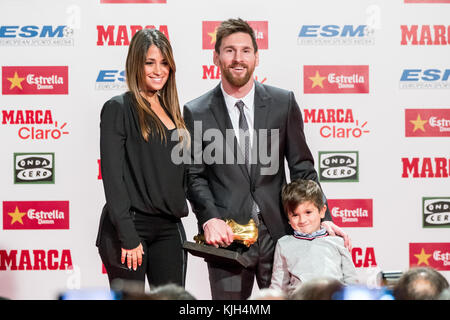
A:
246	234
243	233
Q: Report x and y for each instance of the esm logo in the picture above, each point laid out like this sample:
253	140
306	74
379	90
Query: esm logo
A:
32	35
335	35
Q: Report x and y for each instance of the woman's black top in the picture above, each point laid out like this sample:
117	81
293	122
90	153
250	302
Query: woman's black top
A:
137	175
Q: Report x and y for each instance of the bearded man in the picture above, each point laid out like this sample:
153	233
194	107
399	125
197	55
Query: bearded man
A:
260	118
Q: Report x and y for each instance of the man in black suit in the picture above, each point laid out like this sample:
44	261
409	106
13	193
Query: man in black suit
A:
262	120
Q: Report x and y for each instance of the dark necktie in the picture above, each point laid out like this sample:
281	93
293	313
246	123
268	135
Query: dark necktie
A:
244	143
244	137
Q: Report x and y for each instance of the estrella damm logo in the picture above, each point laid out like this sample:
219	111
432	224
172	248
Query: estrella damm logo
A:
427	122
336	79
260	28
35	80
35	215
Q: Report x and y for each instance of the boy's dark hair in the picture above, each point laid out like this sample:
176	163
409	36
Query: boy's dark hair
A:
231	26
300	191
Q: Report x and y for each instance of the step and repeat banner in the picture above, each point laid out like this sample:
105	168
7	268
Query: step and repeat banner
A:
372	79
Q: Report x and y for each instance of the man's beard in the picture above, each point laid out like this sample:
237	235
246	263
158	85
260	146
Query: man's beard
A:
237	81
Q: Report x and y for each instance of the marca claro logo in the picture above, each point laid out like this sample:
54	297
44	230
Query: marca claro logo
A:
34	124
336	79
353	213
425	167
427	122
33	35
425	35
338	166
425	79
35	215
336	123
434	255
35	80
121	35
34	168
316	34
111	79
37	259
436	212
260	28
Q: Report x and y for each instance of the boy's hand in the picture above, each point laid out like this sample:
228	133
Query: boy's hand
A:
334	230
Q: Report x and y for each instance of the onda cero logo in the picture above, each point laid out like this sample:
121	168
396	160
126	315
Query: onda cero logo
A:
436	212
338	166
32	168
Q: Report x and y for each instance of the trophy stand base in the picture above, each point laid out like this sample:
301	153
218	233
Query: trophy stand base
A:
216	255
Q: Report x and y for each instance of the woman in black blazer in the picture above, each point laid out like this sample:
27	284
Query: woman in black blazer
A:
140	230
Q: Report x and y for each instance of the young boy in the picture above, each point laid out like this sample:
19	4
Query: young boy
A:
310	252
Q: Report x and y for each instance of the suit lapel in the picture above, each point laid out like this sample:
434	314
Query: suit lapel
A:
220	112
260	122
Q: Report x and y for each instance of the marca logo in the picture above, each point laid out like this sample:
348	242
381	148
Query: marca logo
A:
35	80
335	35
425	167
31	35
364	258
34	168
35	215
436	212
34	124
353	213
427	122
339	166
111	79
336	79
434	255
212	72
425	35
133	1
425	79
260	28
336	123
35	260
122	34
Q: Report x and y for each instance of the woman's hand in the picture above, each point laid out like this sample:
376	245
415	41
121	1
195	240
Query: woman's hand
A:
133	256
334	230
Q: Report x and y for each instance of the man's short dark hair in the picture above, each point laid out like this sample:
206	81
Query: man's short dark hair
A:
231	26
299	191
420	283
